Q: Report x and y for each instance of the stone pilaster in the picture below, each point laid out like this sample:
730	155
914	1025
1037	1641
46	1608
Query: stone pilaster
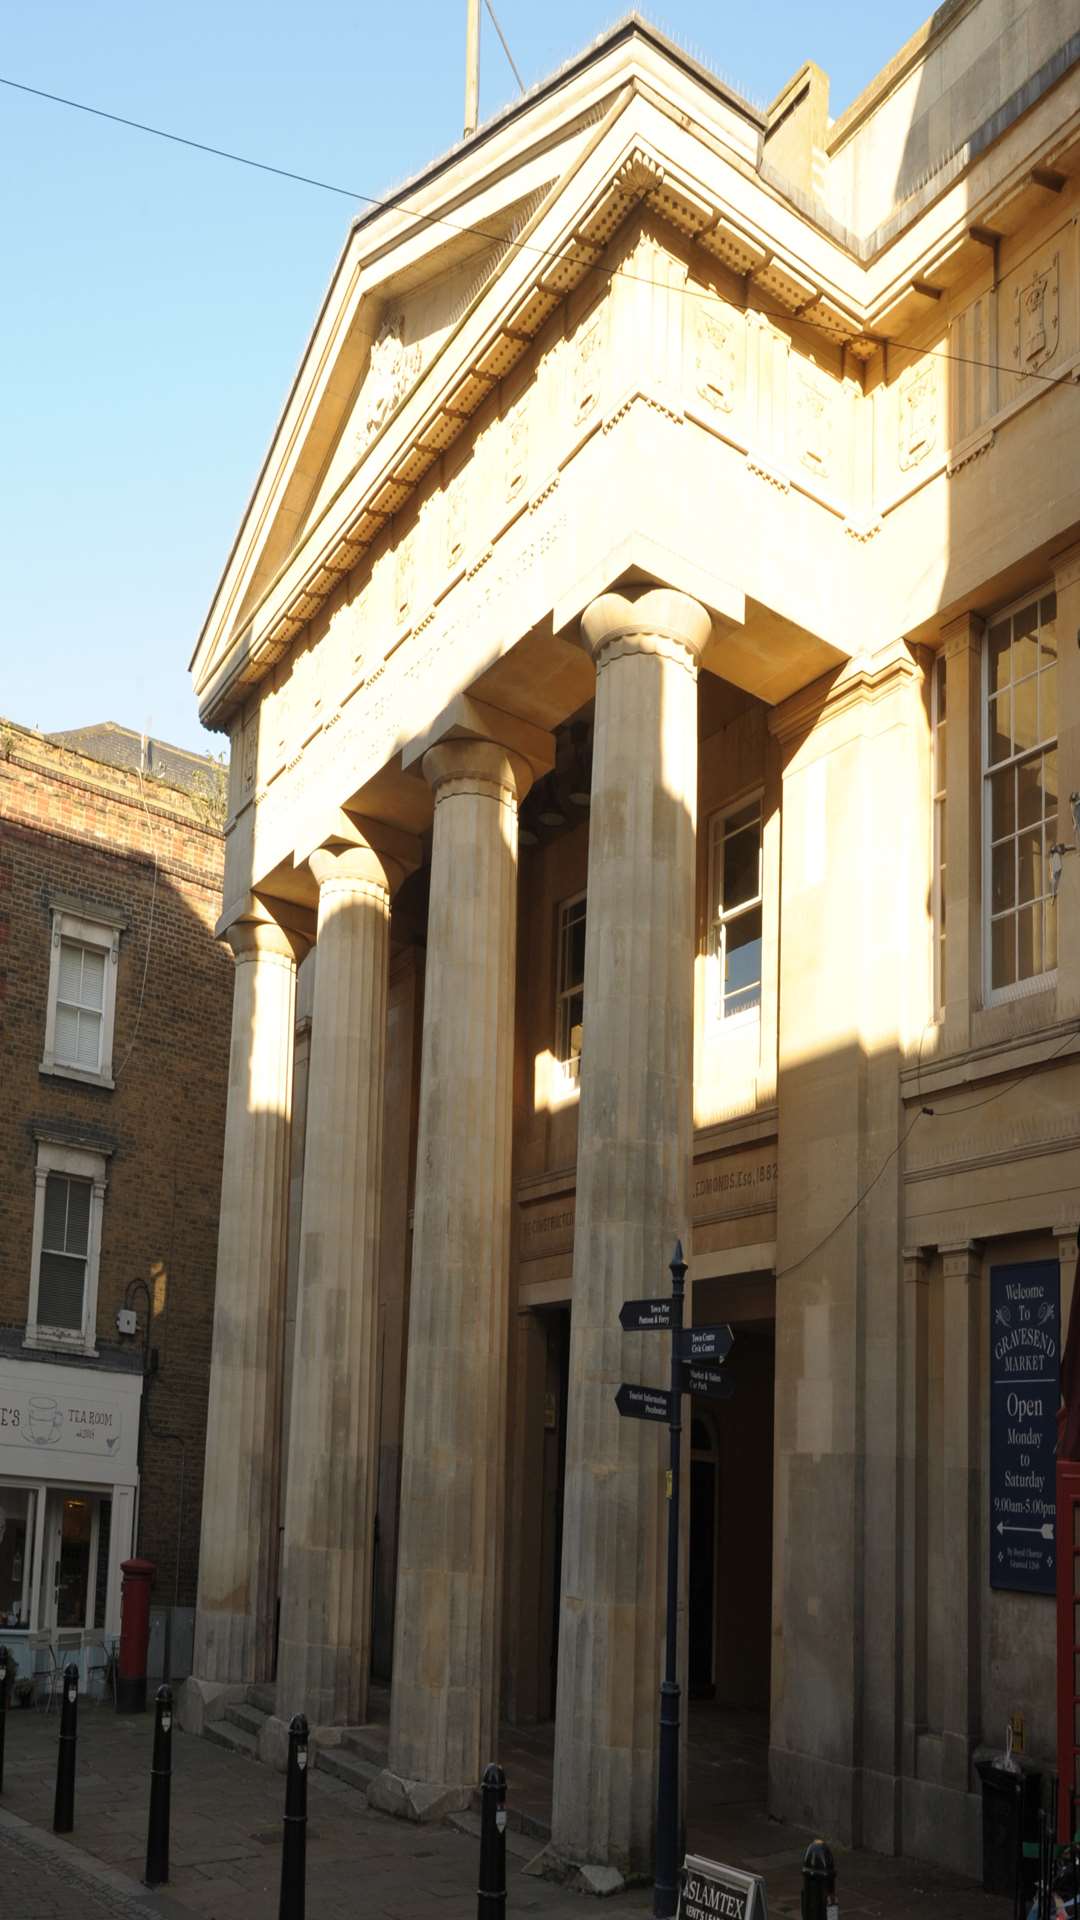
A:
634	1148
324	1647
444	1702
916	1387
962	641
238	1557
961	1271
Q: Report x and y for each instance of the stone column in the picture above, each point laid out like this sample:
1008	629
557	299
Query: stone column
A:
444	1702
961	1267
634	1150
234	1628
324	1646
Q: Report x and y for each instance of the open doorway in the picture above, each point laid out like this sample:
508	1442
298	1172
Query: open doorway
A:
730	1574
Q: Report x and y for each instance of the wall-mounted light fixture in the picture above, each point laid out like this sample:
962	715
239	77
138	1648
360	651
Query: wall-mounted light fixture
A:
1059	850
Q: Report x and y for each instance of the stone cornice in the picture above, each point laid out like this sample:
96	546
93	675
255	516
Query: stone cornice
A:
865	681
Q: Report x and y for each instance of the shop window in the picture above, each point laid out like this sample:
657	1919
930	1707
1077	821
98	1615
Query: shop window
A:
69	1199
1020	796
83	959
735	869
938	719
570	988
16	1542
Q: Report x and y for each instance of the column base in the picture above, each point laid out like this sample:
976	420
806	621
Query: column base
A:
420	1800
582	1876
200	1702
811	1792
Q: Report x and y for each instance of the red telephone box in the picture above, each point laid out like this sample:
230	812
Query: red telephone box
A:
1067	1532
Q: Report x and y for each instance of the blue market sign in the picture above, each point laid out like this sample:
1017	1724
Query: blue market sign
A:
1025	1363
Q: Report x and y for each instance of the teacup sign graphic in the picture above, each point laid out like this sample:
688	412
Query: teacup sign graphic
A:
46	1420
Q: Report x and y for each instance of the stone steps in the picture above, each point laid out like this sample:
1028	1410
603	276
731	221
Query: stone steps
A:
519	1845
346	1766
224	1733
262	1698
249	1719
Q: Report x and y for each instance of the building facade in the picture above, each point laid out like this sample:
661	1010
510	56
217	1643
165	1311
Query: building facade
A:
650	664
115	1018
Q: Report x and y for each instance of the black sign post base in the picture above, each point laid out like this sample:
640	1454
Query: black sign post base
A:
666	1890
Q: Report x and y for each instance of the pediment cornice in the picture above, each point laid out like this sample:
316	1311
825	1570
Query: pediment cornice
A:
421	412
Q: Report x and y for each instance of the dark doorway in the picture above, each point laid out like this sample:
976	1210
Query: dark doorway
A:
555	1396
731	1472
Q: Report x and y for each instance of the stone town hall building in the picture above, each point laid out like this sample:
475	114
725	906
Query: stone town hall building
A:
650	661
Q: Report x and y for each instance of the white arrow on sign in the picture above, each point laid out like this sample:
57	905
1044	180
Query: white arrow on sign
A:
1046	1530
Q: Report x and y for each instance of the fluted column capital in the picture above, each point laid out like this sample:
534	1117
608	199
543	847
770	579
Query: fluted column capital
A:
265	939
484	767
658	620
353	870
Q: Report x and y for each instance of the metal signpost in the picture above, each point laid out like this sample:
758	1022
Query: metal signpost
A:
690	1347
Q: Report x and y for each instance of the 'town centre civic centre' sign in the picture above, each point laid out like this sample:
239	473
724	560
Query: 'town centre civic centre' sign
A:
712	1892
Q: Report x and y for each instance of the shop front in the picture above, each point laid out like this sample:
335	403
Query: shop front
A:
68	1501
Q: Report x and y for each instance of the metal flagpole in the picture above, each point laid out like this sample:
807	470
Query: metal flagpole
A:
472	65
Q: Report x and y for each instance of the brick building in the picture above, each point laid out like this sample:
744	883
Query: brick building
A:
114	1012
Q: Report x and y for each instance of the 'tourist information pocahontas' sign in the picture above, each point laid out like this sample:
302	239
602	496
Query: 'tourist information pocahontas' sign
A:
1025	1370
712	1892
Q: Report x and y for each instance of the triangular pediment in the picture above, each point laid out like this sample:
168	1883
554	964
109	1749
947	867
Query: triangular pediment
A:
417	333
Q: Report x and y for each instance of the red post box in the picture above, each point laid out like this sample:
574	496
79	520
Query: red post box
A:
134	1635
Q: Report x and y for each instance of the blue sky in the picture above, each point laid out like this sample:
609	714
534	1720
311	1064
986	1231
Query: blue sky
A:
157	301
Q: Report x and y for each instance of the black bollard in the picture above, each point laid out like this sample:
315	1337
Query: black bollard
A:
294	1845
157	1832
64	1804
491	1894
819	1882
3	1708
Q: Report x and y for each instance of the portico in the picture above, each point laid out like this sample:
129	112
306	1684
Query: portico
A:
577	678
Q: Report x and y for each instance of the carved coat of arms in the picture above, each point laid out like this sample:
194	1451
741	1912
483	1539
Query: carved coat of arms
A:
815	413
391	370
1036	318
917	424
715	369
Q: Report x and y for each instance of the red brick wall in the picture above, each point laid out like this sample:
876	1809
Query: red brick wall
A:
73	826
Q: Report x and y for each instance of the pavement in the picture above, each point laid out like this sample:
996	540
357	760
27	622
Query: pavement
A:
226	1840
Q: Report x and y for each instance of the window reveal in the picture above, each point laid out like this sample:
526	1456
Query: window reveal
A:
735	867
1020	792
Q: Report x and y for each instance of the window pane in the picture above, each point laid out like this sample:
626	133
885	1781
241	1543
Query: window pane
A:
1002	804
1031	880
1029	800
998	650
1000	727
88	1048
940	689
1025	715
66	1046
1050	781
93	978
60	1291
1048	704
1049	934
1029	942
1047	626
575	955
742	1002
745	817
54	1233
70	971
1003	877
14	1547
742	953
78	1219
742	867
1025	648
1002	952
